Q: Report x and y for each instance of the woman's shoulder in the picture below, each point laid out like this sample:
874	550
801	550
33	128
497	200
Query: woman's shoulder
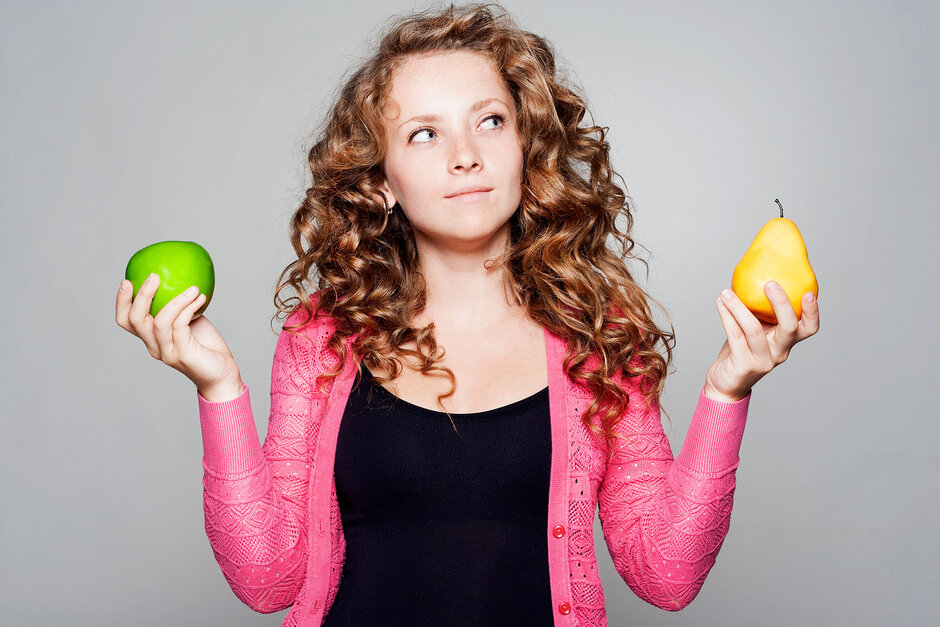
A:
309	321
304	343
306	332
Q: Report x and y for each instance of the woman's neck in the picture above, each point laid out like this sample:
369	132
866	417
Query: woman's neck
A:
463	295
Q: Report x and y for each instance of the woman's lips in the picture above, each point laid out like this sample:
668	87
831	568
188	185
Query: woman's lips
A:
469	196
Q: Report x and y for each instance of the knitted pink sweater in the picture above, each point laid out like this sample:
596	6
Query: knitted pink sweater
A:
273	519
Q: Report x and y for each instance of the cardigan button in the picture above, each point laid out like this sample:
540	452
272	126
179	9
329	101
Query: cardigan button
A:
558	531
564	608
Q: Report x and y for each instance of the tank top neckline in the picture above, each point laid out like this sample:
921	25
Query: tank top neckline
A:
497	413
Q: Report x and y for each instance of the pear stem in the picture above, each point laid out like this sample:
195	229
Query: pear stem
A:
781	206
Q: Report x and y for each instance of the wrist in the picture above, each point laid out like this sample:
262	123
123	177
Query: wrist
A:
724	397
223	392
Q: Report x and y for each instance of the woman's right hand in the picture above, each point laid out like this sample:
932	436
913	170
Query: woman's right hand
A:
194	347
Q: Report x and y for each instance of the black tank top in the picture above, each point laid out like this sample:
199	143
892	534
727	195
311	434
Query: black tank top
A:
442	529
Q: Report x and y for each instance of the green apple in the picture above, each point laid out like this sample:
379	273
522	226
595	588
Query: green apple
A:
180	265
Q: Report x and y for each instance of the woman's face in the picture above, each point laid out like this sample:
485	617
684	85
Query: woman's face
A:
450	125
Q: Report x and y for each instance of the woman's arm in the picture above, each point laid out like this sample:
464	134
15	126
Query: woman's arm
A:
255	496
664	520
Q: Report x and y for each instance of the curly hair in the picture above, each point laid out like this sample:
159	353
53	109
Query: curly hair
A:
558	262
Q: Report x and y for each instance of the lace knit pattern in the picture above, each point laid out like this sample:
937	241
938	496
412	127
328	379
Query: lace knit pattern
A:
663	520
255	520
663	523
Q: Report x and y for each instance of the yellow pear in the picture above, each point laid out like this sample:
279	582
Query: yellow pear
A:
776	254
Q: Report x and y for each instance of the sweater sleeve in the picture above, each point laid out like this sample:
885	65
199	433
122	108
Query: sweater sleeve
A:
255	495
665	519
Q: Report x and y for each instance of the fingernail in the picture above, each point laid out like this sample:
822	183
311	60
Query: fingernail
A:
124	286
152	278
810	297
727	294
191	291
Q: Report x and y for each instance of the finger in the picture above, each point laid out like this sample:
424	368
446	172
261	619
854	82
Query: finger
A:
784	333
164	323
783	309
182	334
143	299
122	305
139	316
737	341
186	316
809	319
750	325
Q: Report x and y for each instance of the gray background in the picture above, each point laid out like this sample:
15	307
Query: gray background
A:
125	124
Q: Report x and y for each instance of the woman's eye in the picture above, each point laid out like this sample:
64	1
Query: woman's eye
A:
418	132
498	117
501	119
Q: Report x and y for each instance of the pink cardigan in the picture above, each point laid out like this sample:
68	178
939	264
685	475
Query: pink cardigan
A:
274	524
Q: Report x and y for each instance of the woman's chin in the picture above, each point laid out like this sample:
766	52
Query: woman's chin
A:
471	238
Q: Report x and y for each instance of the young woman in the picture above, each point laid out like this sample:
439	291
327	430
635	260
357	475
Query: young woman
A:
475	374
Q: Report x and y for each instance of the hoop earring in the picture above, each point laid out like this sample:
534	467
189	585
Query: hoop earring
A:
388	210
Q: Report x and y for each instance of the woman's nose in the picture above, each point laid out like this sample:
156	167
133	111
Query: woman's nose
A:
465	156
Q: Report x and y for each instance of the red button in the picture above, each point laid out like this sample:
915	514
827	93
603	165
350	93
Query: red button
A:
564	608
558	531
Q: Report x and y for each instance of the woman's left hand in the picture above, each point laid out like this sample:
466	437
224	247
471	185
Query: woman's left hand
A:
754	347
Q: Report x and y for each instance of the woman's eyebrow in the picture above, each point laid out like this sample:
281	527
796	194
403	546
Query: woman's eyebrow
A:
436	118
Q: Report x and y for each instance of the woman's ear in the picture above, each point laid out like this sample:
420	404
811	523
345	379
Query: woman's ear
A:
387	192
